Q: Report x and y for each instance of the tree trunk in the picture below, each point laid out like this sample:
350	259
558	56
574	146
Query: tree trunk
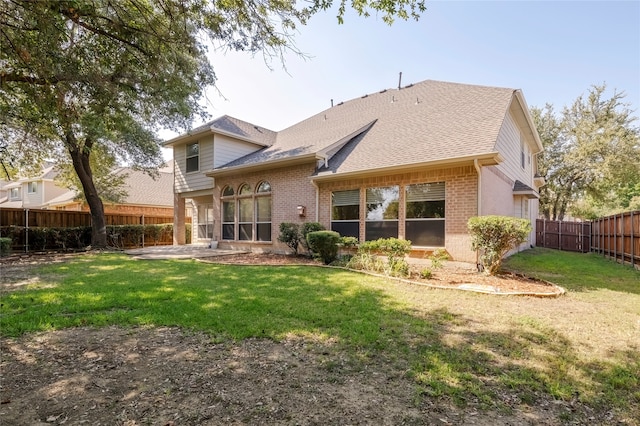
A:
80	158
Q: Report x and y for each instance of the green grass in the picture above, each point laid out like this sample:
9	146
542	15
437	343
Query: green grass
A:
576	271
463	347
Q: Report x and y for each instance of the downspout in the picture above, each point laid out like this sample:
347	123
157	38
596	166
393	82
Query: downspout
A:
479	203
477	166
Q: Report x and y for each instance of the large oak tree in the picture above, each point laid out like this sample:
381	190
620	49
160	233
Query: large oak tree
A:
591	161
80	74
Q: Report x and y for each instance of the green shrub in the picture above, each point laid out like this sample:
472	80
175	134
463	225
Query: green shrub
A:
348	242
494	236
426	274
5	246
305	229
325	244
393	249
290	235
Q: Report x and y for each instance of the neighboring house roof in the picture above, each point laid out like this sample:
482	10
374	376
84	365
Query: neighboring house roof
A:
428	122
230	126
142	189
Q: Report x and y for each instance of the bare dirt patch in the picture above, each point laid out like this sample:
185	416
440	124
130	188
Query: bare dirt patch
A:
165	376
169	376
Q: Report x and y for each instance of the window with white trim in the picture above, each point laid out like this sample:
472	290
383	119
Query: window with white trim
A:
205	221
228	214
345	212
193	157
15	193
245	213
425	214
382	212
32	187
263	212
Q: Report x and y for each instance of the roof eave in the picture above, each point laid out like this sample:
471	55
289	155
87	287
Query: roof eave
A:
187	137
488	159
265	165
525	109
529	194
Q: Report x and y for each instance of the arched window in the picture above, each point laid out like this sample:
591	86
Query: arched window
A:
245	189
227	191
245	213
263	212
264	187
228	214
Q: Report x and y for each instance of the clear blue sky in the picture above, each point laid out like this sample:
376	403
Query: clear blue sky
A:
554	51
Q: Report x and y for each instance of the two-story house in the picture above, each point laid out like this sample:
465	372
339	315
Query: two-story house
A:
414	163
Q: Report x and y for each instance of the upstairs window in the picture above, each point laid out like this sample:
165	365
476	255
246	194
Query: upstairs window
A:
15	193
32	187
193	157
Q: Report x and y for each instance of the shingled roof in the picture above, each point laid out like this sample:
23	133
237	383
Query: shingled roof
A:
426	122
233	127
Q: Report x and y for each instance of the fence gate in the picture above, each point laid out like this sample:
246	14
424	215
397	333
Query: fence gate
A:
559	235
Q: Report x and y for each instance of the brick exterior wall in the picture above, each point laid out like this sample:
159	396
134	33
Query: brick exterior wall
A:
292	187
461	192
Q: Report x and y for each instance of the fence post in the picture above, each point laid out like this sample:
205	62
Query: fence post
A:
622	236
142	231
26	230
633	255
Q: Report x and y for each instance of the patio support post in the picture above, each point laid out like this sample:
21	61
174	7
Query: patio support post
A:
179	237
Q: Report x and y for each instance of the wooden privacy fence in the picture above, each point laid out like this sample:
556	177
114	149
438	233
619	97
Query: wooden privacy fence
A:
34	229
616	236
71	219
569	236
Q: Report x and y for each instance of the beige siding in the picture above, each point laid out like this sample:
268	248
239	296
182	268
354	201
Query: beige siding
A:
194	181
509	145
51	191
496	193
227	149
34	199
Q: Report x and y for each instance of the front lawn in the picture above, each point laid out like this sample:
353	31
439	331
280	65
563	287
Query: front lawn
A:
494	353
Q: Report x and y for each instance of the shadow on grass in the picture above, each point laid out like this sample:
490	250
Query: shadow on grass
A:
450	356
575	271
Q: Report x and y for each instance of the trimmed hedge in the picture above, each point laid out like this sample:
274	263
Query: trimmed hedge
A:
119	236
324	244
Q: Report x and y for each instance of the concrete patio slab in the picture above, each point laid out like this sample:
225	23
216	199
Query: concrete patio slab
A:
191	251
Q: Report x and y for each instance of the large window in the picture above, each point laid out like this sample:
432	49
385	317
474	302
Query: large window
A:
382	213
345	212
193	157
205	221
263	212
253	219
425	214
228	214
245	213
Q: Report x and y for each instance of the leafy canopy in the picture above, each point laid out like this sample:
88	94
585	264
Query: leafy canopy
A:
591	161
80	74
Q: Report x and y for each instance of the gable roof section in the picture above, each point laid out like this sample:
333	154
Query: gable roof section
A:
429	122
230	126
